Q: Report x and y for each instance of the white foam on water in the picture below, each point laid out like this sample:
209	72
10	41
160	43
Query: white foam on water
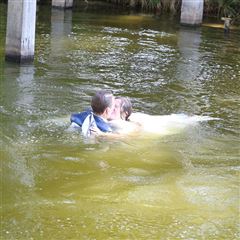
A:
60	121
167	124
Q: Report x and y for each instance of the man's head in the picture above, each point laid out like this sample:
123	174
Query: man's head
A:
122	109
103	103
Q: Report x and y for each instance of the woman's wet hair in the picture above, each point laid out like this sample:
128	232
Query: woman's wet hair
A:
101	100
125	107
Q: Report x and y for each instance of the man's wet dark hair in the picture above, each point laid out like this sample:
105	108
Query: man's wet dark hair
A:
101	100
125	107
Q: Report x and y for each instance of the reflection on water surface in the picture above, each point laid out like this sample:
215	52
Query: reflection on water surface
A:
183	185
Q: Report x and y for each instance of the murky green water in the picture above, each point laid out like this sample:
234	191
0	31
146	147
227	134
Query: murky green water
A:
184	185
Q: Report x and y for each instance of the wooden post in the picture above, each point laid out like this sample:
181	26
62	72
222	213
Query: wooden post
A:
20	36
62	3
192	12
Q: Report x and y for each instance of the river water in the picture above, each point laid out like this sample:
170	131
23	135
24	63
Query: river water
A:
180	185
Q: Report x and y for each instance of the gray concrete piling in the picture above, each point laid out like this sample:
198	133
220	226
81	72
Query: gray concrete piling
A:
20	35
192	12
62	3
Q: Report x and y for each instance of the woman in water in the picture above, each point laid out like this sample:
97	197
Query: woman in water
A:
120	118
125	121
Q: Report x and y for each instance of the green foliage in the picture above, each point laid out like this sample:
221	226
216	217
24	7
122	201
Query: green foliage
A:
223	8
155	2
167	5
227	8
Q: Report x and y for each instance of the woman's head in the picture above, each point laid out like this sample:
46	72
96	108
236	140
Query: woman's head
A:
122	109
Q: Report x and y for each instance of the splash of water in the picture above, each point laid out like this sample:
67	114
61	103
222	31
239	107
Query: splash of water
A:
167	124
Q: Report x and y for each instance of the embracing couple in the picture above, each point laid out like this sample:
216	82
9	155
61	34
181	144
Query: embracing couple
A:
106	115
111	116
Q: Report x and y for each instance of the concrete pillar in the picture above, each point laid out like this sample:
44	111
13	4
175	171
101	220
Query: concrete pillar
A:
20	36
192	12
62	3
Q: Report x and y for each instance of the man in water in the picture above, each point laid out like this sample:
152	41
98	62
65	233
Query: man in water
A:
94	121
227	22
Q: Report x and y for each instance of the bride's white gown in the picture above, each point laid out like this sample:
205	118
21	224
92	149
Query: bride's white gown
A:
157	124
